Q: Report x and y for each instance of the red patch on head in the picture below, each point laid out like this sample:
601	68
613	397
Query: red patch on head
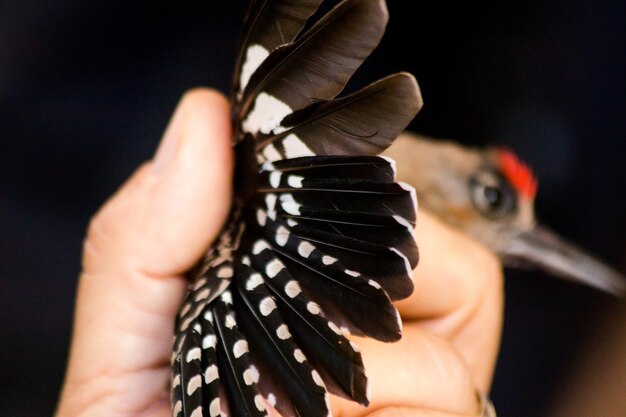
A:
517	173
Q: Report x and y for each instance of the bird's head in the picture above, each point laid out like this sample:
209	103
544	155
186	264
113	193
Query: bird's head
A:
489	194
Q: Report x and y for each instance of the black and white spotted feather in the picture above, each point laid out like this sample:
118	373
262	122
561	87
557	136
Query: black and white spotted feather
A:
319	240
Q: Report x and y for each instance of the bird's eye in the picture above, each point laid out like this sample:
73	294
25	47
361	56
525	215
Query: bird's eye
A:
491	196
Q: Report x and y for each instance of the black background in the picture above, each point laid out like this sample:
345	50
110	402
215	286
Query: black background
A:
87	87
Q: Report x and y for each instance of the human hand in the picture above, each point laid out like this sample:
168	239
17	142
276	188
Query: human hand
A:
138	247
166	215
451	333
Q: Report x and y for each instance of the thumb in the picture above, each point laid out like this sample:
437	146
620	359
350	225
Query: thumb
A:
144	238
171	209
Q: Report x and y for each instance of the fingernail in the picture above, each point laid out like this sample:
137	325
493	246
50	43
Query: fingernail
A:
170	142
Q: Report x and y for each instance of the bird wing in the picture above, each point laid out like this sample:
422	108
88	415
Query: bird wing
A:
319	240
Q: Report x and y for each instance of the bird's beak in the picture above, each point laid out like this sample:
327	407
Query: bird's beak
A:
542	248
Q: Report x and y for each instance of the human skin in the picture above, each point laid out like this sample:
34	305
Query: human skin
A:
158	224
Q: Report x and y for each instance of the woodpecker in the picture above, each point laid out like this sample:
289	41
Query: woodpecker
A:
319	240
489	194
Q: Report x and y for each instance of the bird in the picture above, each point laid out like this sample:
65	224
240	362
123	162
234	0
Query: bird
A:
489	194
319	240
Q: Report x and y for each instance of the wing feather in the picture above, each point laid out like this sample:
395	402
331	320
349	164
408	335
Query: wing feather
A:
316	66
362	123
267	25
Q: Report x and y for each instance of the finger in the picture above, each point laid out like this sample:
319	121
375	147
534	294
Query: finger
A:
150	232
452	269
458	295
412	412
421	371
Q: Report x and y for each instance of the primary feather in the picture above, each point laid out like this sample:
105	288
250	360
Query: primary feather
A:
319	240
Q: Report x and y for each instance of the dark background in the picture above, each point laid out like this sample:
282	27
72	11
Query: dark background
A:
87	87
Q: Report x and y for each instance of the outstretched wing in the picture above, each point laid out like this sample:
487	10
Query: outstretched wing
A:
319	241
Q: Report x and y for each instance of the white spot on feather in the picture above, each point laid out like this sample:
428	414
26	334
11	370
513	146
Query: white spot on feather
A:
245	260
266	115
271	153
176	381
282	235
227	297
199	283
194	384
290	206
186	323
317	378
328	260
208	316
254	281
313	308
267	305
185	309
211	374
230	321
197	412
225	272
295	181
271	398
259	246
193	354
209	341
294	147
297	353
275	179
305	249
251	375
274	267
194	314
255	55
259	402
292	289
240	347
178	407
354	346
202	295
214	409
334	327
267	166
352	273
283	332
270	202
374	284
